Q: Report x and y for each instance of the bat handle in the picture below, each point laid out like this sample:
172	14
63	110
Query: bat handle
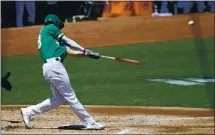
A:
108	57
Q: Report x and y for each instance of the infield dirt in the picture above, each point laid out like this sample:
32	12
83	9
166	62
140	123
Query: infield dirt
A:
117	120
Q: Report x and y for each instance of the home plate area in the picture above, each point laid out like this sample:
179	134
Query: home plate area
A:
117	120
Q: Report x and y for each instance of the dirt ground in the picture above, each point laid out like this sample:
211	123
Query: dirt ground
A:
117	120
119	31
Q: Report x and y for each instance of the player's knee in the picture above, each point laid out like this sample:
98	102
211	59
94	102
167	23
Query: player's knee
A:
59	101
72	100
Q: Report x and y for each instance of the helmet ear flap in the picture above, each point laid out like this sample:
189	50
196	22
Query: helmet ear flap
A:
48	22
60	25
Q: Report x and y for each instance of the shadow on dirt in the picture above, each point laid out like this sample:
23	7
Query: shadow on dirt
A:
72	127
12	121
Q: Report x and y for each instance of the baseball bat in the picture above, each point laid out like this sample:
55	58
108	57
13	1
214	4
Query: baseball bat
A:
128	61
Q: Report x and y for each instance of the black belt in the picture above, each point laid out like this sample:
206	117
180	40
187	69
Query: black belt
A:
57	59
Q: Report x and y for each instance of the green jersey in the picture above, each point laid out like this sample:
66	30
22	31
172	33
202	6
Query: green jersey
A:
48	43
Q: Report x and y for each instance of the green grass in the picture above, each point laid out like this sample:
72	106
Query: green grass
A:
107	82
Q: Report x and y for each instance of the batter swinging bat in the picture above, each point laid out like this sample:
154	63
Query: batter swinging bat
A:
122	60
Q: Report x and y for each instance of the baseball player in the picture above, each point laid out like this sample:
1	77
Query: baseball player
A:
54	46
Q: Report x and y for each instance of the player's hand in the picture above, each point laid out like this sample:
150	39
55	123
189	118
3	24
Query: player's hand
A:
92	54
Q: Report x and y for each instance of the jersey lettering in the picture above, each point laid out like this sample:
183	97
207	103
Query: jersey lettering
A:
39	42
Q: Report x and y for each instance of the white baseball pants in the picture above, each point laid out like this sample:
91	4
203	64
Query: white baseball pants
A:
56	74
30	6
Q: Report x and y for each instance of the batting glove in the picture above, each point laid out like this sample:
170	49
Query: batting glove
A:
92	54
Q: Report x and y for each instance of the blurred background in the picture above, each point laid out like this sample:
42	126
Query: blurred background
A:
28	13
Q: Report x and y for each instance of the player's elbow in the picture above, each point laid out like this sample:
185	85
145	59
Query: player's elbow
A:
74	52
70	52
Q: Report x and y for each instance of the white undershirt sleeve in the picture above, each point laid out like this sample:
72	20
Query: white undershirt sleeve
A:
72	44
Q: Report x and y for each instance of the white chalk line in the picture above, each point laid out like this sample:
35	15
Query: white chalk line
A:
124	131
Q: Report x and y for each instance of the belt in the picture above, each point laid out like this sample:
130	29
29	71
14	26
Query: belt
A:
53	60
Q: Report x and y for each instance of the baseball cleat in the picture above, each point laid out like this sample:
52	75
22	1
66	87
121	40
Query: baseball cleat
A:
95	126
25	117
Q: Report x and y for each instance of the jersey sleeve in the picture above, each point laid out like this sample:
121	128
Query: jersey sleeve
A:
55	32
